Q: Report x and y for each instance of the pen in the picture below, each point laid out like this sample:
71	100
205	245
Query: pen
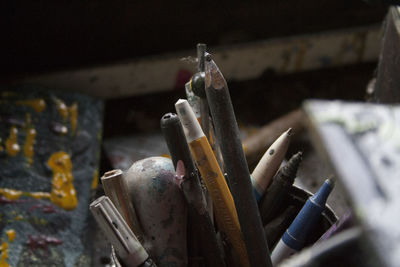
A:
269	164
227	135
179	150
115	188
279	188
211	173
295	236
331	252
117	231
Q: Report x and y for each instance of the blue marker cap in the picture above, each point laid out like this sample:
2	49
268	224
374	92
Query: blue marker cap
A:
308	216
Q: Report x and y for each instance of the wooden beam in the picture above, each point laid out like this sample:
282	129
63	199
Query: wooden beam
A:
239	62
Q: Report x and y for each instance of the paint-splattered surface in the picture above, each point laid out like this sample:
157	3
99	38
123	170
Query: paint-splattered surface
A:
361	142
49	152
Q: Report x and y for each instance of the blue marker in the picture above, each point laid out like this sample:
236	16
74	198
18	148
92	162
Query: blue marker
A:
295	236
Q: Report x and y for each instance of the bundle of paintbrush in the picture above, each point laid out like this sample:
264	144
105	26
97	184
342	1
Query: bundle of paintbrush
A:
170	205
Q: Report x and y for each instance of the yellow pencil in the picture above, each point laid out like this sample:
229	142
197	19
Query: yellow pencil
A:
211	173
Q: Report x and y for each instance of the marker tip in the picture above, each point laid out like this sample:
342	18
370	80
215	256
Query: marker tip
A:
331	181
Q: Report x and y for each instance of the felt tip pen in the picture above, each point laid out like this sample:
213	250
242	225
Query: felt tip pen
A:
295	236
214	179
269	164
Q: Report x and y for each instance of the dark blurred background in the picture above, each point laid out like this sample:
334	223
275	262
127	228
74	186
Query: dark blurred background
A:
46	36
40	36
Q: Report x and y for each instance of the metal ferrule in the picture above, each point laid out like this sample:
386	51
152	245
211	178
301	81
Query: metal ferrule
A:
117	231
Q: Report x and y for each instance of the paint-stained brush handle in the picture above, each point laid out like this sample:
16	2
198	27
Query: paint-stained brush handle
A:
117	231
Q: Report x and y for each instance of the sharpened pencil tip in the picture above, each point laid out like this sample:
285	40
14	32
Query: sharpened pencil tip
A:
213	76
289	132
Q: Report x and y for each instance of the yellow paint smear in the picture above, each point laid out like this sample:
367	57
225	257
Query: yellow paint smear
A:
4	255
12	146
10	194
166	156
73	116
71	112
18	218
13	194
95	181
38	195
29	144
62	108
63	193
11	235
37	104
